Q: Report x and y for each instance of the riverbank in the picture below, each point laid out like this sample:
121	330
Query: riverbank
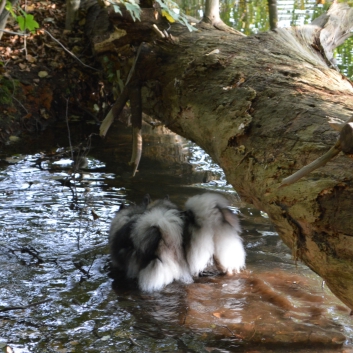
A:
47	77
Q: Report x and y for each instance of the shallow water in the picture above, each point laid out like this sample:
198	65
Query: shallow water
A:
56	295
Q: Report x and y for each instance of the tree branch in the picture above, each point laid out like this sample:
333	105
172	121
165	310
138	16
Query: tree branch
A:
344	143
321	161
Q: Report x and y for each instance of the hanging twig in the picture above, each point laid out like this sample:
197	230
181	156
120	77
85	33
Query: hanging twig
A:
136	120
121	101
114	111
132	92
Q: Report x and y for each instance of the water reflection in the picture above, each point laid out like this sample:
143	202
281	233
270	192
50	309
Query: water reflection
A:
56	295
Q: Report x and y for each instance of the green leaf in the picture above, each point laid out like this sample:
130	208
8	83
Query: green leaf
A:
168	6
9	8
134	10
27	22
162	4
21	22
117	9
131	5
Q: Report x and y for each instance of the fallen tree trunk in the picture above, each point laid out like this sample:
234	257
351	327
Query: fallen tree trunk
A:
260	106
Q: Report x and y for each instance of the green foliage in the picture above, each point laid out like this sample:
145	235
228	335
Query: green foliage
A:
9	8
349	2
172	12
134	9
25	20
344	57
169	8
130	5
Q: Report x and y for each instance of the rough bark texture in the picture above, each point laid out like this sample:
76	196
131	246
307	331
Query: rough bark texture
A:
259	106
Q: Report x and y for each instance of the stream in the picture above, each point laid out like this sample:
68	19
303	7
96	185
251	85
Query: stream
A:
56	294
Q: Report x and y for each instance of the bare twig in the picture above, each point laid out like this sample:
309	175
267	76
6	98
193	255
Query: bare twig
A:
114	112
243	159
134	342
78	266
20	103
121	101
159	33
14	33
68	51
136	120
25	306
136	149
68	129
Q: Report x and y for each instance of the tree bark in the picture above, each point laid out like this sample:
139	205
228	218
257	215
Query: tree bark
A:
273	14
260	106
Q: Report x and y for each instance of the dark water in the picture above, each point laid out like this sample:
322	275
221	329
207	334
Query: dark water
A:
56	295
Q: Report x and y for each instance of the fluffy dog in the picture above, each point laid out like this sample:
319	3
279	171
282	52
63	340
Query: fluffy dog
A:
122	250
211	235
157	238
157	244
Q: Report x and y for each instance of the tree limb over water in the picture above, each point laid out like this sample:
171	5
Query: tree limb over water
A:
260	106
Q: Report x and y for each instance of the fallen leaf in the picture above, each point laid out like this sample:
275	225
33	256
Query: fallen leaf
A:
42	74
30	58
14	138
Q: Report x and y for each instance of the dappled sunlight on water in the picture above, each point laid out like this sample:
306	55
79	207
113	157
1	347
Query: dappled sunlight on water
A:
56	294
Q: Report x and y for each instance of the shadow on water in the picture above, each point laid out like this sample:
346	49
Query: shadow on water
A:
56	295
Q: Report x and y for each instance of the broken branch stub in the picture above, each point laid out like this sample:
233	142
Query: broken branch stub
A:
319	162
344	144
346	138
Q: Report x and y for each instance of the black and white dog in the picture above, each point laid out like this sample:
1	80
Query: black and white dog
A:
146	242
157	244
158	240
122	251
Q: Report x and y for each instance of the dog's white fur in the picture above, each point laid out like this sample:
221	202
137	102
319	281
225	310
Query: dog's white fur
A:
169	264
214	235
